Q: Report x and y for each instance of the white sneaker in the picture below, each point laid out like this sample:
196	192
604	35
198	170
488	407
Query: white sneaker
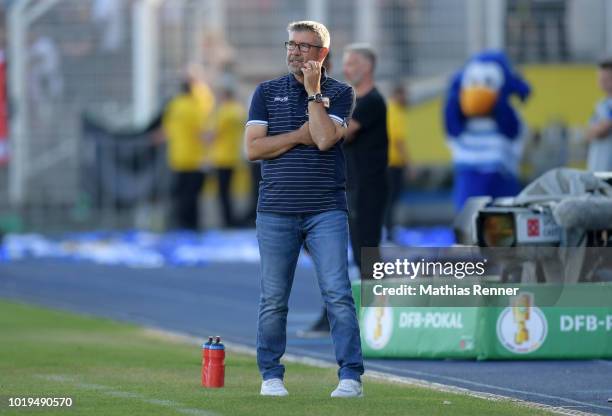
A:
273	387
348	388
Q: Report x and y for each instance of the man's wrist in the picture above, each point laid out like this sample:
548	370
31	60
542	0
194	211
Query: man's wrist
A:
316	98
299	135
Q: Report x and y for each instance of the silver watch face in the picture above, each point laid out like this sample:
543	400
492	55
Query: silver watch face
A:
317	98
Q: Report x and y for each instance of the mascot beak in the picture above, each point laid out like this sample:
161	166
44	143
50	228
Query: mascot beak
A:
477	101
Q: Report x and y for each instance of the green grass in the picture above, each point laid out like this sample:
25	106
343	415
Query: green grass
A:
109	368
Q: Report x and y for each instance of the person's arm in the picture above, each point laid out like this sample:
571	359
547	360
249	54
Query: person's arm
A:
599	130
323	131
366	114
261	146
209	135
601	122
258	145
352	130
397	120
402	149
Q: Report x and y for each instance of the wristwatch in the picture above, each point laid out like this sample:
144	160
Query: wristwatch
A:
317	98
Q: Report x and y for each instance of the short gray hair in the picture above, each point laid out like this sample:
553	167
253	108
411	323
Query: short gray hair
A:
311	26
364	50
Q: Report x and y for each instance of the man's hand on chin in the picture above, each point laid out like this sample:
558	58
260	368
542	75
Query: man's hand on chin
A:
312	77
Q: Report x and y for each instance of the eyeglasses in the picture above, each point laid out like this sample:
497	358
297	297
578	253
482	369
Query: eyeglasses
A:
304	47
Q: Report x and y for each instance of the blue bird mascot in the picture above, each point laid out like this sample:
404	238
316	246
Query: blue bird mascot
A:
484	132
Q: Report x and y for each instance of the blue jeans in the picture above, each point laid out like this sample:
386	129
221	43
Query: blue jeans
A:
280	238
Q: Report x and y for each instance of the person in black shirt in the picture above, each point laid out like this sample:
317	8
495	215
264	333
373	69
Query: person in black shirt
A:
365	148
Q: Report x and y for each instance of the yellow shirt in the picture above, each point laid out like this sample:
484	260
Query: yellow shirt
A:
204	96
183	123
228	125
206	100
397	128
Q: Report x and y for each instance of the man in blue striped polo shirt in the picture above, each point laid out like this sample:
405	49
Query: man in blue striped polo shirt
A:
296	125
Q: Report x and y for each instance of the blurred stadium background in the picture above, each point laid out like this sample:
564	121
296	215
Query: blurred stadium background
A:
83	84
86	81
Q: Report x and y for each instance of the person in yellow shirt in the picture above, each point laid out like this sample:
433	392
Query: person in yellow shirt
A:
183	123
226	135
397	128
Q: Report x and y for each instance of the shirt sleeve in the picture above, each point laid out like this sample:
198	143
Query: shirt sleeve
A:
258	113
341	106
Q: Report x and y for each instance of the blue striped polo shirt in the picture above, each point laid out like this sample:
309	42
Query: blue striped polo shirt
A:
303	179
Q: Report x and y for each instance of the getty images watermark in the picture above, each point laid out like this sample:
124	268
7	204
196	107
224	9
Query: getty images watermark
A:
473	276
448	269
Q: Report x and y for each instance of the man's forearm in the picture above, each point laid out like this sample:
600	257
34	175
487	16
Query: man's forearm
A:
321	126
270	147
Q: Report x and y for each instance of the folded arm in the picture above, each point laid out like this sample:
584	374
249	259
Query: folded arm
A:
260	146
324	131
